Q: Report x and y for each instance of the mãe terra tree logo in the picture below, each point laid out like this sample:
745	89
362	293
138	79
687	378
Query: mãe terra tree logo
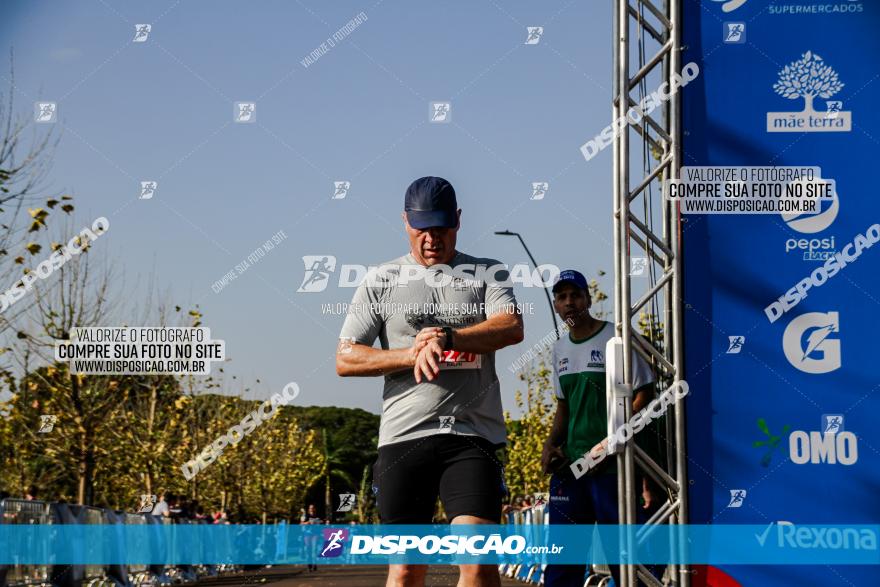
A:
809	77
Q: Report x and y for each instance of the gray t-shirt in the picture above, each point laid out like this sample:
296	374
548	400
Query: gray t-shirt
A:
392	304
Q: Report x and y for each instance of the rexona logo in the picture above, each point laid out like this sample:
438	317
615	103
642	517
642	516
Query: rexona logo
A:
475	545
809	78
809	343
789	535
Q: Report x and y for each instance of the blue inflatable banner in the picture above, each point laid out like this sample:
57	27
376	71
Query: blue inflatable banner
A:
782	309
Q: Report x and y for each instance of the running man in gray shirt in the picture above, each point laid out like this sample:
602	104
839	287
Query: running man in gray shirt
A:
439	315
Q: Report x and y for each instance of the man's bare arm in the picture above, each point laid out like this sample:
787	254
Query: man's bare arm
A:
558	434
559	430
497	332
360	360
643	396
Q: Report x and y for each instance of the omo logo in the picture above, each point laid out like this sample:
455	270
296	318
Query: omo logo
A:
772	442
831	444
730	5
823	447
809	344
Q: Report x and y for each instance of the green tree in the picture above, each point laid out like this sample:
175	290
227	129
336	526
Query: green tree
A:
335	461
526	436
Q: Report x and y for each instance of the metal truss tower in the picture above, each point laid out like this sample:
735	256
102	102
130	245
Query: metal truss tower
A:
647	257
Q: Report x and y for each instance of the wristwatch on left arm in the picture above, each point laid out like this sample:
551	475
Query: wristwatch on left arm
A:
447	331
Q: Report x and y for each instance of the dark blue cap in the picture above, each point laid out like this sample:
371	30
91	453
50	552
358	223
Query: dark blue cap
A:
430	202
573	277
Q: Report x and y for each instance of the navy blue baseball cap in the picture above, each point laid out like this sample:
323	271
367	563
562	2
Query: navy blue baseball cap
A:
430	202
573	277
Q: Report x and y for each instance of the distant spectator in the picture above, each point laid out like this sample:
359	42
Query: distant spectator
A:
31	494
161	507
310	518
174	505
187	509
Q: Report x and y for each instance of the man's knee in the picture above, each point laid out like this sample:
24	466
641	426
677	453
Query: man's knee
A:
406	575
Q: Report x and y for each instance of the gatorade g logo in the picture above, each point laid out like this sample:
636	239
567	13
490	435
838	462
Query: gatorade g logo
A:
809	343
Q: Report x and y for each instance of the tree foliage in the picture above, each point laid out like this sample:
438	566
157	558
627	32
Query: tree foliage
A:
526	436
807	78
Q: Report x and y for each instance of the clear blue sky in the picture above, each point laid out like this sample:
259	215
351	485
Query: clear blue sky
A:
163	109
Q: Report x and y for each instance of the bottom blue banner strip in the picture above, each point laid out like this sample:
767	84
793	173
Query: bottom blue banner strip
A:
776	543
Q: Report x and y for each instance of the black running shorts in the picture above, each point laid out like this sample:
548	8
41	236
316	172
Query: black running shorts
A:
462	470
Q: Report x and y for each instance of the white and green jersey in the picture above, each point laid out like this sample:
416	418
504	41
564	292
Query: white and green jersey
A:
579	373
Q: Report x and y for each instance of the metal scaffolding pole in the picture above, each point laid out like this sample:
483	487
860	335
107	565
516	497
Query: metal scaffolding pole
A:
647	42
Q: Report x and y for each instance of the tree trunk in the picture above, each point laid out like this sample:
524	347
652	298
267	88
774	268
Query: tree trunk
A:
86	471
327	503
86	465
151	419
808	103
148	478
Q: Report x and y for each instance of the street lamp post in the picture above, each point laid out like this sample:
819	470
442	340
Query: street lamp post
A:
535	265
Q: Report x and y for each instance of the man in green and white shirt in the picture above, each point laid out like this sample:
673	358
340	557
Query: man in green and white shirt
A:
581	420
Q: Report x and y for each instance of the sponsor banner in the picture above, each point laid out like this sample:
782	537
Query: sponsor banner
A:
780	542
786	428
